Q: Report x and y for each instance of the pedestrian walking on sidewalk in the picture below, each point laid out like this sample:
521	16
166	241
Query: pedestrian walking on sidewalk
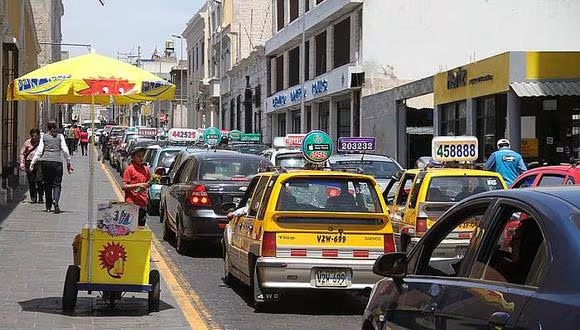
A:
508	163
77	136
50	152
136	182
84	142
34	175
69	134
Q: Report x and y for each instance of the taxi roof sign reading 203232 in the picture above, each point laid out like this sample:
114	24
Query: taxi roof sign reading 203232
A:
454	148
212	136
317	147
356	144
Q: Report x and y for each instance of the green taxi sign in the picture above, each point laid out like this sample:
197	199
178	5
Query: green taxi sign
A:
212	136
317	147
235	135
251	137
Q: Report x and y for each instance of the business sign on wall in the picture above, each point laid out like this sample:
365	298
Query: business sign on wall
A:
335	81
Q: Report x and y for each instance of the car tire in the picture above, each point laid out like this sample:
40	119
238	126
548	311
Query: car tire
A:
180	242
161	213
70	292
155	294
227	279
168	235
152	210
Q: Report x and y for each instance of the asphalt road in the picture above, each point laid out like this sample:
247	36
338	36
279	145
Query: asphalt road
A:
229	307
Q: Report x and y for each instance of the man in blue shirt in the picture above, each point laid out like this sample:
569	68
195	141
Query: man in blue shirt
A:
508	163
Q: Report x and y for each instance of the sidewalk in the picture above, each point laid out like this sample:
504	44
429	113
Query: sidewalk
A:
35	251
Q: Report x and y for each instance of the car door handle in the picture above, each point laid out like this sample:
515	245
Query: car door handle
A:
498	320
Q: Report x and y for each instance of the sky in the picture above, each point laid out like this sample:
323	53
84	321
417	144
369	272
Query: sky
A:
122	25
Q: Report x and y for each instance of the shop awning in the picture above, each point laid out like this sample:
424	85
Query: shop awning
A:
546	88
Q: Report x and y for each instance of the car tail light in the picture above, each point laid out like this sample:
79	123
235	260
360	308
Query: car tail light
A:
421	226
269	244
199	197
389	243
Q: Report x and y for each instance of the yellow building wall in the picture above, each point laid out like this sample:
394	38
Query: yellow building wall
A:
552	65
496	66
227	12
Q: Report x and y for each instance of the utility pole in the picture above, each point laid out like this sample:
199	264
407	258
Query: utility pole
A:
180	77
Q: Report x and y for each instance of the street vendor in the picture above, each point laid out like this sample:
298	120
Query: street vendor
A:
136	182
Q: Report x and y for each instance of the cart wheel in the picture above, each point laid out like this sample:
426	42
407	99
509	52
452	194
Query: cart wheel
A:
155	293
69	293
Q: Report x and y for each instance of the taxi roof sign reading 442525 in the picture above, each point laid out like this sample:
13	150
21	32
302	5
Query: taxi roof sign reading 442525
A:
317	147
454	148
183	134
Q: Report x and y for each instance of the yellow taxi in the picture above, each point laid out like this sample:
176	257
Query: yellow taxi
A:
307	229
421	196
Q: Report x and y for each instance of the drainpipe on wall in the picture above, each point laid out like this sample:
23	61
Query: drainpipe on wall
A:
21	70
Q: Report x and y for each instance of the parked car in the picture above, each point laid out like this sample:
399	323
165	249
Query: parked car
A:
549	176
140	141
159	159
205	180
380	167
532	283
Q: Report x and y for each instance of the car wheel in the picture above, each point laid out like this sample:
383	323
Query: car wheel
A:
161	213
227	279
180	242
168	234
155	293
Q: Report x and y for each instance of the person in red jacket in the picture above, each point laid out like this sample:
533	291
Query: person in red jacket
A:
77	136
84	142
136	182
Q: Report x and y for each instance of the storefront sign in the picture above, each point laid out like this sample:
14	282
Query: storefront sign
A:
359	144
279	101
454	148
481	79
317	147
456	78
319	86
212	136
529	147
296	95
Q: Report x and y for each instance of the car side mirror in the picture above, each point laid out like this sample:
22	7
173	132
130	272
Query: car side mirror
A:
165	180
160	171
228	207
391	265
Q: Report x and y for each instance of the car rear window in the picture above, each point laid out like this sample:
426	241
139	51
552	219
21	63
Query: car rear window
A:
377	169
457	188
329	195
290	160
237	169
166	158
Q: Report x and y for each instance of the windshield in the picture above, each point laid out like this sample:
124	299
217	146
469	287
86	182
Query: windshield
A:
166	158
290	160
329	195
457	188
149	156
235	169
130	137
377	169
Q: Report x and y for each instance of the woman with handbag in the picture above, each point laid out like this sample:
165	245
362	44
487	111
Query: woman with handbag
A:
50	152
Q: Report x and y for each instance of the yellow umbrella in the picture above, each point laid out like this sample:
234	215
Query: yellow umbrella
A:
78	79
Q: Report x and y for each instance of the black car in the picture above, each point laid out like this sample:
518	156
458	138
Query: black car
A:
204	181
520	270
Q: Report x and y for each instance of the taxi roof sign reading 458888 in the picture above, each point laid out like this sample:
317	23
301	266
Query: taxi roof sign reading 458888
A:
454	148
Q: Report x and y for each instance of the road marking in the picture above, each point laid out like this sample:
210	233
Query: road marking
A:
191	306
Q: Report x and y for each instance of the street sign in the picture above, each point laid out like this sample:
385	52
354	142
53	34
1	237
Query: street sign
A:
317	147
147	131
235	135
358	144
454	148
212	136
183	134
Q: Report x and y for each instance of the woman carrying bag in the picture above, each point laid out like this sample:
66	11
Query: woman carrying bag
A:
50	152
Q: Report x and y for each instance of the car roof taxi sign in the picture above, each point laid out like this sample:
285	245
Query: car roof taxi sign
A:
212	136
317	147
454	148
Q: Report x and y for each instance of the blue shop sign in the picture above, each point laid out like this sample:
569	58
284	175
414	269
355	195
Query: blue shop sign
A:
278	101
319	86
